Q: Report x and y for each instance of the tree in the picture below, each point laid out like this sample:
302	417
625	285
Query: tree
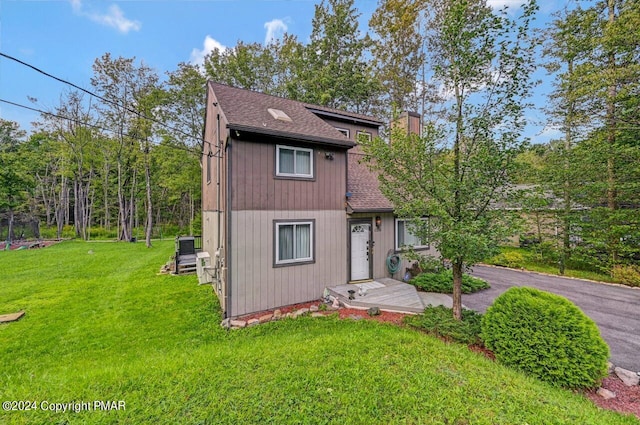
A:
13	177
250	66
124	86
332	70
183	103
569	40
595	54
399	53
336	72
78	149
458	170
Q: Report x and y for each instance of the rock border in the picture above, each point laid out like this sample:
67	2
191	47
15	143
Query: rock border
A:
628	378
314	310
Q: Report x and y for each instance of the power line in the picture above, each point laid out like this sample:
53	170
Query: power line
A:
90	93
87	124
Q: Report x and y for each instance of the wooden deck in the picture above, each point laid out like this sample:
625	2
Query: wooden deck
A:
386	294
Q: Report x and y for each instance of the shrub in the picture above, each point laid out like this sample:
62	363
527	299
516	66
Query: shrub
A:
547	336
508	259
426	263
443	283
439	321
546	252
628	275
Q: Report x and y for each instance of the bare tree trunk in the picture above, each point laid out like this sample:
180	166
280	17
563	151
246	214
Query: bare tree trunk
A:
67	205
10	235
538	225
124	232
611	134
457	268
568	140
105	189
192	212
86	207
132	202
61	207
77	208
149	223
457	213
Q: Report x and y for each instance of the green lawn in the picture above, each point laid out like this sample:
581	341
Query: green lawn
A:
533	263
105	326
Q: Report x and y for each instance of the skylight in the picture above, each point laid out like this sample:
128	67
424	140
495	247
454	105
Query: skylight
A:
279	115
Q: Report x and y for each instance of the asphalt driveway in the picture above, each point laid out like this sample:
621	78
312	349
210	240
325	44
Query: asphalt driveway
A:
615	309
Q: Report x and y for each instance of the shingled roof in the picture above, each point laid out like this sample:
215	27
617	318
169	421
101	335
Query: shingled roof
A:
364	187
247	110
343	115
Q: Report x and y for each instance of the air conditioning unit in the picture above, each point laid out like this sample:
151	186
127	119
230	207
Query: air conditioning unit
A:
203	268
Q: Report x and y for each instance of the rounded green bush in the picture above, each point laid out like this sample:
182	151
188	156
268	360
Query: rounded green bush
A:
545	335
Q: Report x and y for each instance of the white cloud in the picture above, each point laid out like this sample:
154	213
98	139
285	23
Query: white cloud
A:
114	18
275	29
76	5
550	132
511	4
209	45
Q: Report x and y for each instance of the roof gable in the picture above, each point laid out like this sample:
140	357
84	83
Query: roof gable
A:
249	111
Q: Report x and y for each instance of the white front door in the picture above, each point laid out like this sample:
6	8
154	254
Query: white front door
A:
360	234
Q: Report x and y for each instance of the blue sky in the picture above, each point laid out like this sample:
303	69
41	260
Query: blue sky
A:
64	37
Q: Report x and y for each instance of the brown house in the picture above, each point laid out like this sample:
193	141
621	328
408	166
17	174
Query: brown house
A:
288	209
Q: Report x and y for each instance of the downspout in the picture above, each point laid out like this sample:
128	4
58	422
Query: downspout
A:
221	261
227	295
219	161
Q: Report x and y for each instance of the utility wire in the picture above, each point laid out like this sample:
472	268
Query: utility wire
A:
89	92
84	123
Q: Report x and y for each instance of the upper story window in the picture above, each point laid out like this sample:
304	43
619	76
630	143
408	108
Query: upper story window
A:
405	236
294	162
344	131
363	136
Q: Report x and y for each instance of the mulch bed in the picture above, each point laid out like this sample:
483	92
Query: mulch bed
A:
627	398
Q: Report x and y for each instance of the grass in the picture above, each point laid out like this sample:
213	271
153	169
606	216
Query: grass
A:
439	321
104	326
533	263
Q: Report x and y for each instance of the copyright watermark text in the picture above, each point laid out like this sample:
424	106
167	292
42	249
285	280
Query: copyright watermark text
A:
72	406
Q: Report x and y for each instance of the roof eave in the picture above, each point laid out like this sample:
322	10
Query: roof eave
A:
346	144
344	116
370	210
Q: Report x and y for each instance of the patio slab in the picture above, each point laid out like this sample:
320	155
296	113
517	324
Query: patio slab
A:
386	294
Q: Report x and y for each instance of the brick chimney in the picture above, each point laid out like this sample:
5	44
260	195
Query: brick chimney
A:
408	122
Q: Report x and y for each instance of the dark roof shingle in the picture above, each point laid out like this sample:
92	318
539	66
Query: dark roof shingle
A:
247	110
364	187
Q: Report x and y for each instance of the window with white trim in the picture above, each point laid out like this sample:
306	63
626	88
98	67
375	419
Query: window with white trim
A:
294	162
293	242
344	131
363	136
405	236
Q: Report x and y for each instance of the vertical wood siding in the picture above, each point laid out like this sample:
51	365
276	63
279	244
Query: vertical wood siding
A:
257	285
213	237
353	128
255	186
